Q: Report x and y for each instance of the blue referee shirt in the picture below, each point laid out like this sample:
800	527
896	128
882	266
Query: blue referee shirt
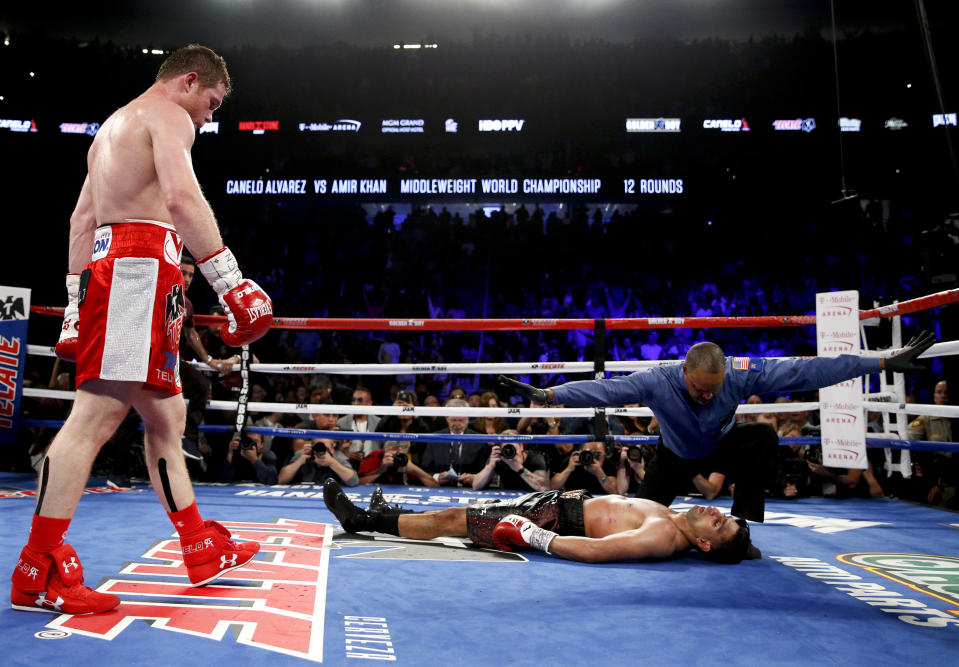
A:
692	430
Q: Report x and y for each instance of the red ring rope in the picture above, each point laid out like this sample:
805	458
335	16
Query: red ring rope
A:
541	324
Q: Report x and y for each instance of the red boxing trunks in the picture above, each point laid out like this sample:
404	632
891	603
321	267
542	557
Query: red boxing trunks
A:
559	511
132	306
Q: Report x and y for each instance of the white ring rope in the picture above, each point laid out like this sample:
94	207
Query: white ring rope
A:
928	410
424	411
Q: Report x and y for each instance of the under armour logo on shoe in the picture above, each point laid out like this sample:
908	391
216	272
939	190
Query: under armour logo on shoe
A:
224	562
42	601
73	563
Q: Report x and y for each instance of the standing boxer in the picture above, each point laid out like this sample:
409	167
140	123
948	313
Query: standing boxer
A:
139	204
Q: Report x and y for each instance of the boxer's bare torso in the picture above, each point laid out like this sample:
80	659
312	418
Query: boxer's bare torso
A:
139	167
123	176
671	532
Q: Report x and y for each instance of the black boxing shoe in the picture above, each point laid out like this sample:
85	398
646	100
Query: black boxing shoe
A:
352	518
378	504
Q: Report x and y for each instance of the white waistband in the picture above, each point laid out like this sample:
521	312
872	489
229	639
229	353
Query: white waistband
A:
165	225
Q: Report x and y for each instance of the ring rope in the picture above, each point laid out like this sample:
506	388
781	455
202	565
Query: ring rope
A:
415	324
426	411
309	434
943	349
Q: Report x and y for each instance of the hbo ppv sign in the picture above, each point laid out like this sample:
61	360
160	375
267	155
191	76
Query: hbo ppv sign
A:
511	125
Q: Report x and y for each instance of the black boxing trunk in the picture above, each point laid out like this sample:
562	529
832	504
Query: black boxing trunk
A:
559	511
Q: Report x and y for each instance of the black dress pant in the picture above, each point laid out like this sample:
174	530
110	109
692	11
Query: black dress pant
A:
750	448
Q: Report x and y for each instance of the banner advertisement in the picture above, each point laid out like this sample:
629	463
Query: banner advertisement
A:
840	406
14	315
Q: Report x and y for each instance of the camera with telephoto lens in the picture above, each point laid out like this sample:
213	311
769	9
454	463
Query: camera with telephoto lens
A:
635	453
507	451
587	457
246	442
399	460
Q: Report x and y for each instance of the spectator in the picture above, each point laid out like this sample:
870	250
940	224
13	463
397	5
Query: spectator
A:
264	419
771	418
406	423
633	425
849	481
455	462
246	460
313	459
510	466
316	461
939	470
489	425
936	429
598	475
357	423
752	400
801	419
226	358
195	385
632	468
792	476
651	349
389	352
388	466
433	423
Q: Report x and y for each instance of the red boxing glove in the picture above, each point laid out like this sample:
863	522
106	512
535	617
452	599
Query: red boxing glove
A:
66	347
246	305
250	312
516	531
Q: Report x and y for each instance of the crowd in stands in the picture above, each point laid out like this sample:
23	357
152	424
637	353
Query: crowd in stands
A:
797	470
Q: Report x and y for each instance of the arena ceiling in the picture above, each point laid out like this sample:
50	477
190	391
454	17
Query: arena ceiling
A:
231	23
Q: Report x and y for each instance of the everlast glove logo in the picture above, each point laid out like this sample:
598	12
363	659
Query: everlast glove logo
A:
274	601
257	312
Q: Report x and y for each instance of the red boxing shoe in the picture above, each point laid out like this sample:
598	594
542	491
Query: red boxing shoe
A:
58	589
210	553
